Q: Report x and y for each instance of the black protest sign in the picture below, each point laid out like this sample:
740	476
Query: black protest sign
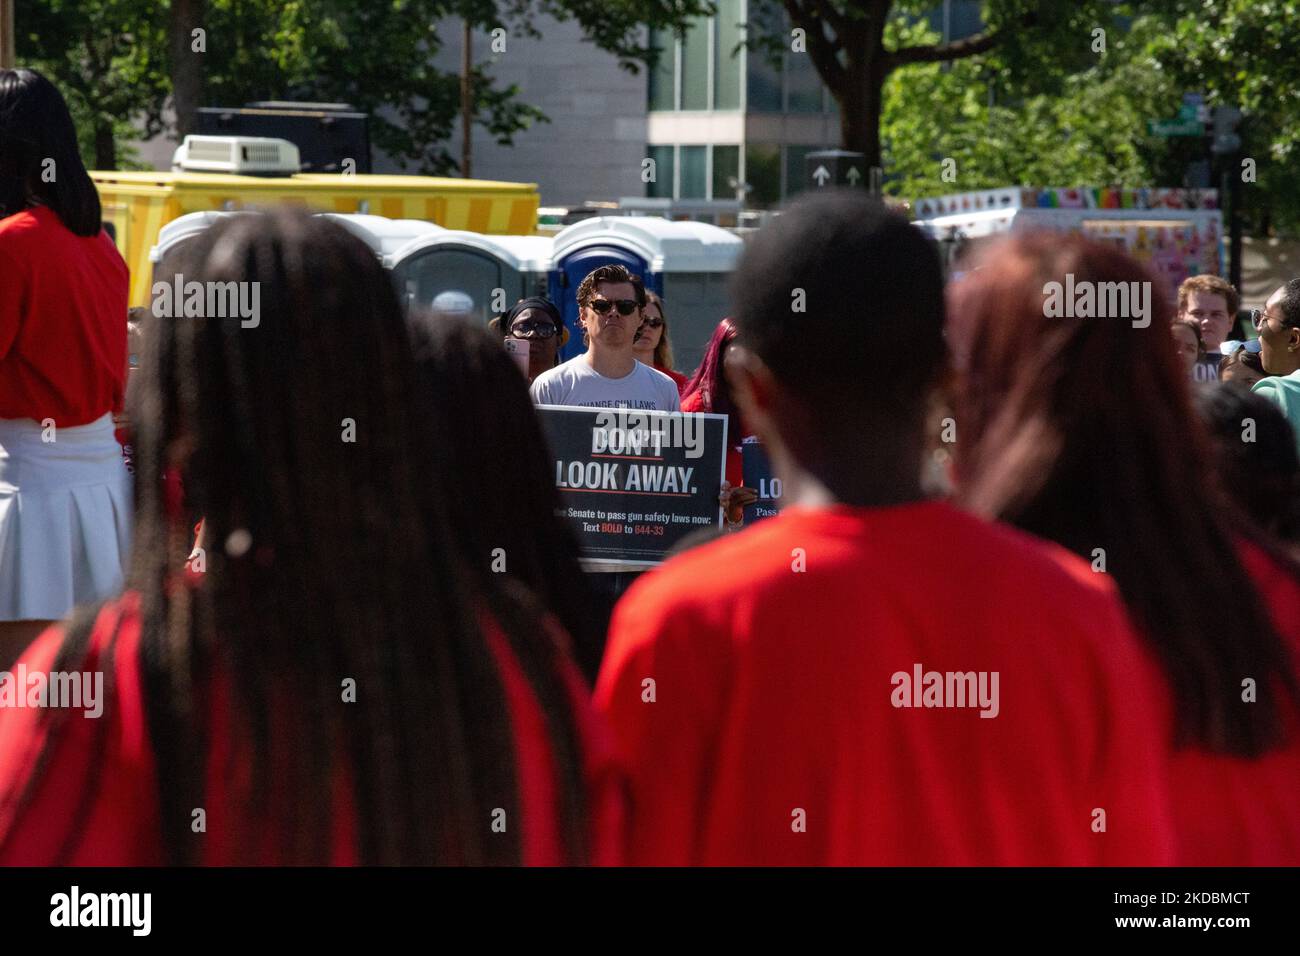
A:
633	483
757	469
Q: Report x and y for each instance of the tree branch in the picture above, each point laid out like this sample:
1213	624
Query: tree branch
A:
957	50
820	48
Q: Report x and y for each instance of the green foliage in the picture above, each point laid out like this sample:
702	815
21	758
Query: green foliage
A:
109	58
106	57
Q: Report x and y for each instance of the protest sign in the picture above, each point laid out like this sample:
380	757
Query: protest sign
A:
757	469
633	483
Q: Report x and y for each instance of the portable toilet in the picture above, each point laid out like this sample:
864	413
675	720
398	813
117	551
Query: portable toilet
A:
382	235
687	263
491	272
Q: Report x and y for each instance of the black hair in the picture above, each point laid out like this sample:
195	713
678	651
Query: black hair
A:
1290	304
331	558
489	420
37	137
821	286
1261	472
1242	356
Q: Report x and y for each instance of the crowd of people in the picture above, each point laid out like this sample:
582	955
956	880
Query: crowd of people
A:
382	648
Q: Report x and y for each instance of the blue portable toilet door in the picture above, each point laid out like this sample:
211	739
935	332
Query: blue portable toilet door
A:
576	267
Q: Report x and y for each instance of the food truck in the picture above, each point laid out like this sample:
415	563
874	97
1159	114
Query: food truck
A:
1176	232
215	173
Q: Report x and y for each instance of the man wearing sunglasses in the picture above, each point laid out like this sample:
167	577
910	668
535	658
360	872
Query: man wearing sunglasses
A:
608	375
1279	351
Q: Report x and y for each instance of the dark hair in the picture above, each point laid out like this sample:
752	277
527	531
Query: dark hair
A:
1080	430
1195	330
347	567
490	420
710	382
1263	474
614	272
1241	356
35	129
1290	304
822	285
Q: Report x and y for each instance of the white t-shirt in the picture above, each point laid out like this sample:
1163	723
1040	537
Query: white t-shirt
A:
576	383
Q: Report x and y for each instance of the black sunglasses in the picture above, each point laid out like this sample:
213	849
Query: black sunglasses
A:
543	330
625	306
653	323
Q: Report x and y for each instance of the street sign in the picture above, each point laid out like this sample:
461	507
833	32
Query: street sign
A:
835	167
1176	127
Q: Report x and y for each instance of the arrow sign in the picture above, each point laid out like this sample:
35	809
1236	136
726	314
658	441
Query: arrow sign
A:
853	175
821	175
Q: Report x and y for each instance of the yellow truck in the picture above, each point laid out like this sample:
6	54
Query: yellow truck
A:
138	204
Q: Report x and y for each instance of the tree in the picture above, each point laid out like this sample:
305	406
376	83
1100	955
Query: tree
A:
380	58
104	55
1244	53
848	42
1093	131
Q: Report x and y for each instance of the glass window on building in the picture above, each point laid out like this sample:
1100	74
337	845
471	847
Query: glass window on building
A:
796	176
726	169
762	75
661	187
802	84
695	65
695	173
662	91
763	173
728	33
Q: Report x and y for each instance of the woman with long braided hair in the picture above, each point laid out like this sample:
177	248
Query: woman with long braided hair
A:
325	682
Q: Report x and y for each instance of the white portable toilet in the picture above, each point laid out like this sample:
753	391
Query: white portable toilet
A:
687	263
494	272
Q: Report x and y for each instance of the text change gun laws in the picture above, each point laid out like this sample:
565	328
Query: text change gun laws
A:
633	483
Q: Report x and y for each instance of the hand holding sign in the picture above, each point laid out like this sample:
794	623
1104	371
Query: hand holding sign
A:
734	501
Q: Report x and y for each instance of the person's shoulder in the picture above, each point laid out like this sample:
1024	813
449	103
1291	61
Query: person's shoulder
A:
1277	386
17	233
654	373
712	573
563	373
1009	552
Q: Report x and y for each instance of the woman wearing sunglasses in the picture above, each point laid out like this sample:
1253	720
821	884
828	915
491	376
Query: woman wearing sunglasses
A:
652	346
537	322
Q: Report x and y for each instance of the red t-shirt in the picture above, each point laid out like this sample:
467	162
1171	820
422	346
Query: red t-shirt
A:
63	304
123	824
1230	811
774	738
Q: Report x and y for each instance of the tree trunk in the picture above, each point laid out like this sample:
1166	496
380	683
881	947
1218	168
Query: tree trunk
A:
186	64
105	144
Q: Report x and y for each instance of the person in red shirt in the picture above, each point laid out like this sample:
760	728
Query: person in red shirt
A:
871	678
328	682
708	391
1080	428
65	499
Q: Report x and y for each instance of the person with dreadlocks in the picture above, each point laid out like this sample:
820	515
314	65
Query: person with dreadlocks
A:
1081	431
65	494
335	686
510	513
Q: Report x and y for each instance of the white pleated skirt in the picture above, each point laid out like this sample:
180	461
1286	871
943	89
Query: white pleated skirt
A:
65	518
